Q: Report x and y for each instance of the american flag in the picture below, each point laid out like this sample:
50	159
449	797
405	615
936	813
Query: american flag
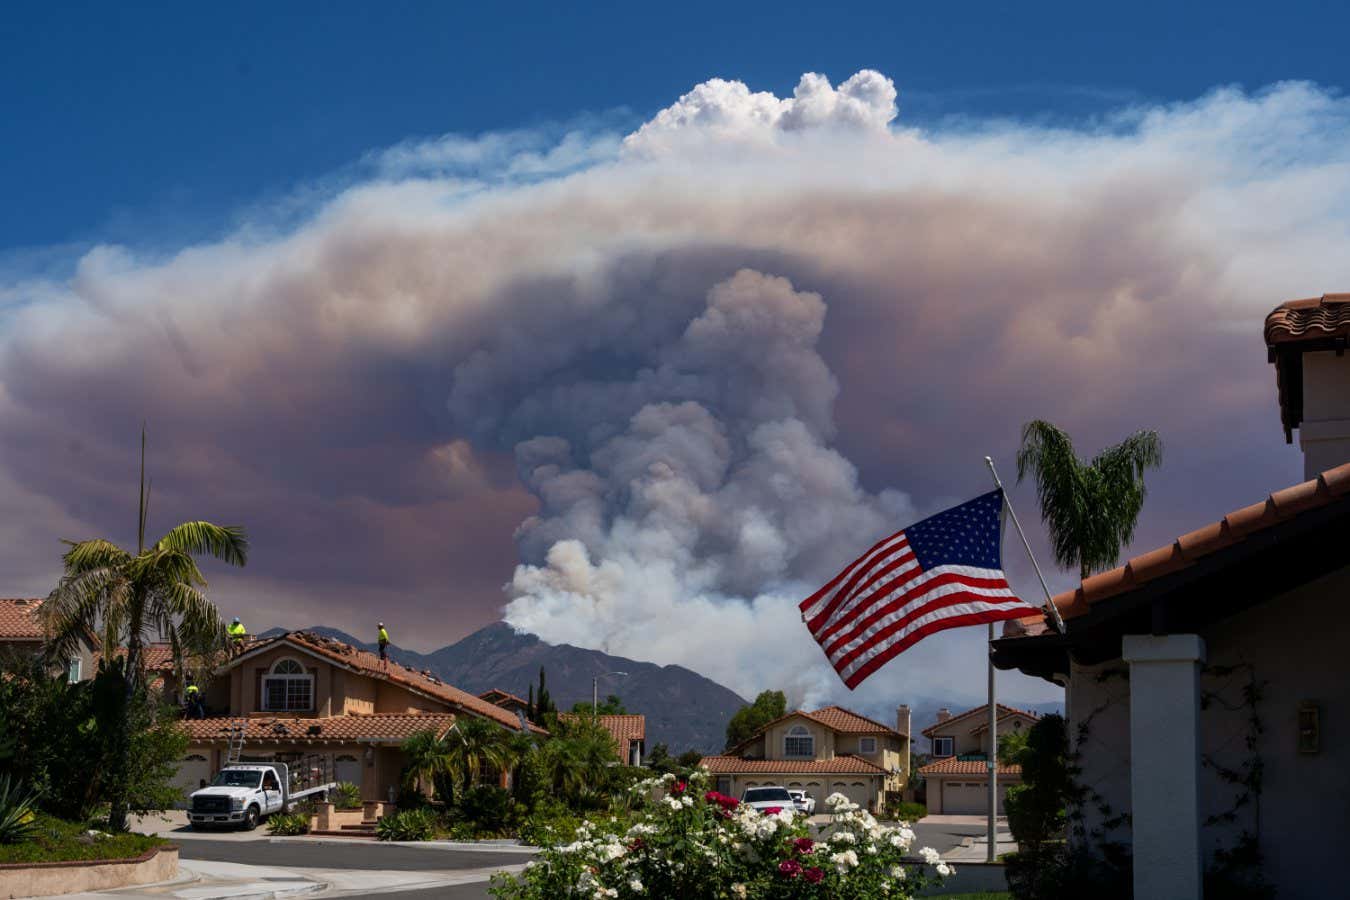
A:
944	572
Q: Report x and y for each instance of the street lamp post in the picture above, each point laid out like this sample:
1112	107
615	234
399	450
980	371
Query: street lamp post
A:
595	693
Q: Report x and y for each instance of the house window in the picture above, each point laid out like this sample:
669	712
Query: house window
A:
287	688
799	743
943	746
73	670
867	745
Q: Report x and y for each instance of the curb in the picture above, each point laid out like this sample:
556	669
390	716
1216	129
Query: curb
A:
231	892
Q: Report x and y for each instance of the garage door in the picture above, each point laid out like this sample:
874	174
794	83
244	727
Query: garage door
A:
964	797
192	771
858	792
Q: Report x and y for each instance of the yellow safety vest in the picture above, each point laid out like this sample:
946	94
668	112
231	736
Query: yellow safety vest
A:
384	636
237	629
192	690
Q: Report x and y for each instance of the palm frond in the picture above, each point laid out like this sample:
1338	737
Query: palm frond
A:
79	603
94	554
227	543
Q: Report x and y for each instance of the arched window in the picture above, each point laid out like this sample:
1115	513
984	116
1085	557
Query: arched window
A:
798	743
288	688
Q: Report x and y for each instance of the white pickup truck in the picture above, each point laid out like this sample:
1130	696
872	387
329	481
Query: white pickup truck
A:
242	795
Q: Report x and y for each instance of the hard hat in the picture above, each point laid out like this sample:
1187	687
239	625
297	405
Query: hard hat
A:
236	618
381	624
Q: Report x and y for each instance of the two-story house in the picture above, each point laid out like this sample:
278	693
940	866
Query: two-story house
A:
826	751
21	632
299	695
958	777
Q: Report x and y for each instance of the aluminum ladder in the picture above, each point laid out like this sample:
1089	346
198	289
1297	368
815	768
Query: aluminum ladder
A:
238	726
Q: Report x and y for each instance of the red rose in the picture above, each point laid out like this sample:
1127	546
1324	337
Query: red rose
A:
679	787
773	810
804	845
790	867
813	875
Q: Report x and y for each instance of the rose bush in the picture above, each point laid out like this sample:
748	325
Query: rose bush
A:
689	842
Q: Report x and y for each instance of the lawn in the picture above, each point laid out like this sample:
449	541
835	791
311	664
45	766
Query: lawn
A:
982	896
57	840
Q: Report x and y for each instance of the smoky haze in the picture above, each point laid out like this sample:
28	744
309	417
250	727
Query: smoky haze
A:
643	392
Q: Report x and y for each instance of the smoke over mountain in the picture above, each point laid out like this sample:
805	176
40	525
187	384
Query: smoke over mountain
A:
659	384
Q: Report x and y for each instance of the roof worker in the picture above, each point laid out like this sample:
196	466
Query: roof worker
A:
193	694
383	639
237	633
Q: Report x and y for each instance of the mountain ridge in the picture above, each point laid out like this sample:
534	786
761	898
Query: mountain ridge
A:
684	709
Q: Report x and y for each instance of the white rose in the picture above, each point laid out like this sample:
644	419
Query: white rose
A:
930	856
944	870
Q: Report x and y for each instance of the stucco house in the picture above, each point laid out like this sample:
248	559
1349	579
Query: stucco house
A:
825	751
301	695
958	776
21	631
1208	681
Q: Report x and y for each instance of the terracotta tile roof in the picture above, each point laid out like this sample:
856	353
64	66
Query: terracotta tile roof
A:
17	619
1314	317
369	664
984	723
1297	327
842	764
953	766
1188	549
1004	712
623	728
847	721
502	698
836	718
288	730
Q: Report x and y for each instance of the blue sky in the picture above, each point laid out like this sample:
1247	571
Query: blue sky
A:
617	394
153	123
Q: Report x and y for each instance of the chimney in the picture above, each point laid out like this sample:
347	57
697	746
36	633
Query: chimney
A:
1306	340
902	719
944	714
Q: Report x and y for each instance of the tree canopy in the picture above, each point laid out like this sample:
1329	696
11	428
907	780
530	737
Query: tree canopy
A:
1089	508
747	720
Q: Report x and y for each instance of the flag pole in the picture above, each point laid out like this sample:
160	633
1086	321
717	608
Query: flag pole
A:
1007	504
992	828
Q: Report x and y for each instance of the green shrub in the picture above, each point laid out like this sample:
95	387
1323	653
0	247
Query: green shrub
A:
288	823
906	812
409	825
17	819
56	840
345	796
487	807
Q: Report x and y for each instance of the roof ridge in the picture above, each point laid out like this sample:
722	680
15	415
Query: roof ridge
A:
1232	528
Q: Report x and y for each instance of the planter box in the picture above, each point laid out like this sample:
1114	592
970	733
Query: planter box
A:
45	879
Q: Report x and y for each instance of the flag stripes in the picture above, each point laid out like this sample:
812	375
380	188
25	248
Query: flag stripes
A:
943	572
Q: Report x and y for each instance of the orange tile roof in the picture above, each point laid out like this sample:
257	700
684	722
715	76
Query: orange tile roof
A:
1313	317
847	721
1298	327
953	766
1005	711
289	730
842	764
499	697
369	664
1187	550
624	728
17	619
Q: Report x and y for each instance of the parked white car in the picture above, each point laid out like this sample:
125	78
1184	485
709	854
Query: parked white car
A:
768	798
805	803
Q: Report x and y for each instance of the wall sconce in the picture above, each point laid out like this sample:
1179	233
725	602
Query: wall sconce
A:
1309	727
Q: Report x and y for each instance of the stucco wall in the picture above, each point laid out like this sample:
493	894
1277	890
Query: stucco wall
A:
358	694
1325	432
390	698
1098	697
824	738
69	878
245	680
1297	646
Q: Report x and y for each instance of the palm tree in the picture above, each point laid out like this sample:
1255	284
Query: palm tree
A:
476	745
430	761
1090	508
125	597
